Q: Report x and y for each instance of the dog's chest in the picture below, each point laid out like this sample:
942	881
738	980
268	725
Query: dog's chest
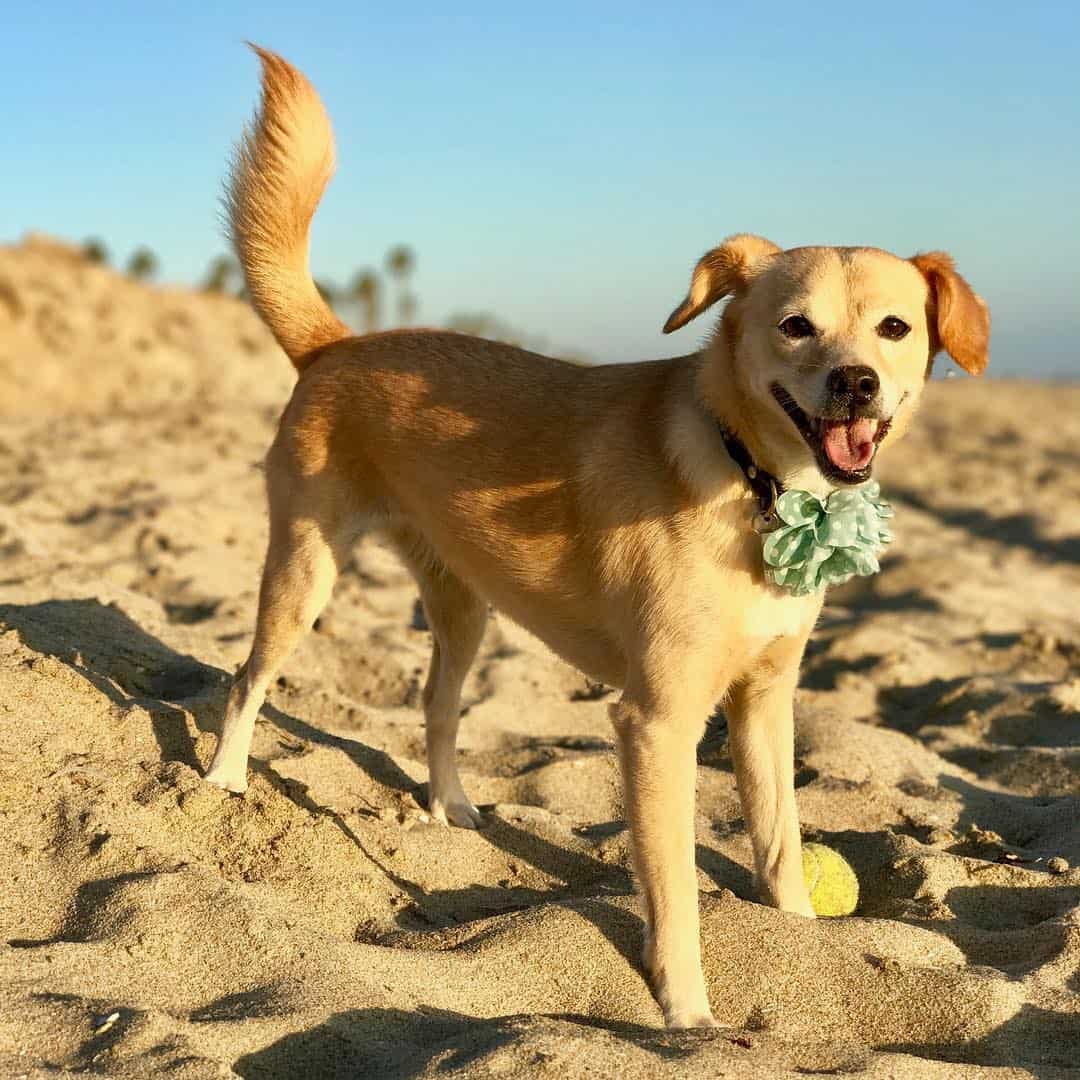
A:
738	607
771	613
727	568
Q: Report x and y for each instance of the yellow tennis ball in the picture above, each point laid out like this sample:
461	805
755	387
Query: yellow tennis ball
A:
833	886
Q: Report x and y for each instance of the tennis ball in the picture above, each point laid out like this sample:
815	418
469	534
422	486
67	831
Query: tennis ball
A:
833	886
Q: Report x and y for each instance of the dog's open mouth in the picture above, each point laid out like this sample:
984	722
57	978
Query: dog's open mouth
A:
844	448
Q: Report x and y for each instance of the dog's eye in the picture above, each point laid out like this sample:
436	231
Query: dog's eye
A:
797	326
893	328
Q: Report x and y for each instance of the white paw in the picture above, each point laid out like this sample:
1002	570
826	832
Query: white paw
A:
228	779
459	812
794	899
679	1021
684	1007
797	905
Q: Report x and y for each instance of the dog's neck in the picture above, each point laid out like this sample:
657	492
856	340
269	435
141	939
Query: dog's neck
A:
768	442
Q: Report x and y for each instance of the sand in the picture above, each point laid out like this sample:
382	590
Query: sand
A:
322	926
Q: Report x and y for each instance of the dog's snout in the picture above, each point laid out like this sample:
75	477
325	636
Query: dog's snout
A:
856	383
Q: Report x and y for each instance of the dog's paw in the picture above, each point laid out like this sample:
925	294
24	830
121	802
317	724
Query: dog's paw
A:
682	1021
793	898
795	903
459	812
684	1002
228	780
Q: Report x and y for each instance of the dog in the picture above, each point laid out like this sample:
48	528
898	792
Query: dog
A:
602	508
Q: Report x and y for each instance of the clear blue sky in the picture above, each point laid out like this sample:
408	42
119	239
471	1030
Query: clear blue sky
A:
563	165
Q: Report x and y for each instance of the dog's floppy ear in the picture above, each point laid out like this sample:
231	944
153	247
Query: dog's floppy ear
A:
719	272
958	318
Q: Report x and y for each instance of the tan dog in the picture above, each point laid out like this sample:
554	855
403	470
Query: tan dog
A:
597	506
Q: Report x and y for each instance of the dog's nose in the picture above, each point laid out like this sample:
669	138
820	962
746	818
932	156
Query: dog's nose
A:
855	383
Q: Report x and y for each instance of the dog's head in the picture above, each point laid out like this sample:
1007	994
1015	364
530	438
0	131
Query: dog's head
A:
829	348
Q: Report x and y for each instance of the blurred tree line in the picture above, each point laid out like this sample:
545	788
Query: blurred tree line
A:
361	303
142	264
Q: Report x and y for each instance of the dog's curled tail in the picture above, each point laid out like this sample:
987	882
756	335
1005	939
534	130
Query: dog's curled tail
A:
281	167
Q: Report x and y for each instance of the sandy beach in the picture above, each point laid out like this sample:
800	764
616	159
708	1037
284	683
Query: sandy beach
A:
323	926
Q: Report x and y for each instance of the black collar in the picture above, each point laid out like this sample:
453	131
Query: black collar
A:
764	485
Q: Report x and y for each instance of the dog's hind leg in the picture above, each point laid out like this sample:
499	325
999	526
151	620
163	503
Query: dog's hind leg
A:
302	562
456	617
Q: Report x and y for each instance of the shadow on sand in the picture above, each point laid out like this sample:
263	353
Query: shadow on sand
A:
398	1045
131	667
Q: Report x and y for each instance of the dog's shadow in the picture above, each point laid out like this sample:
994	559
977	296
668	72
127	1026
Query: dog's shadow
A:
398	1044
131	667
118	658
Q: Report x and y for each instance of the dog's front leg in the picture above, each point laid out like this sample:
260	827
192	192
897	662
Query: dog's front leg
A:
659	767
761	735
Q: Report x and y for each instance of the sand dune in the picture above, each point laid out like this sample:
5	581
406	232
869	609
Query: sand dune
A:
322	926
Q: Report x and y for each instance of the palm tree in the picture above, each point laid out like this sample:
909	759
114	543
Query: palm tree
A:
407	305
365	292
94	250
143	264
220	274
400	263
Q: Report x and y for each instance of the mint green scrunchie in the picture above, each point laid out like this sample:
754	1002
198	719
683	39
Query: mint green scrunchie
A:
825	543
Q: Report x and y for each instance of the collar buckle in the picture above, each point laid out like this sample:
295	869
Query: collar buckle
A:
766	488
767	520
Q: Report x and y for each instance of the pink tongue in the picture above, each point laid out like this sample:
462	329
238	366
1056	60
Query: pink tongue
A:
850	446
